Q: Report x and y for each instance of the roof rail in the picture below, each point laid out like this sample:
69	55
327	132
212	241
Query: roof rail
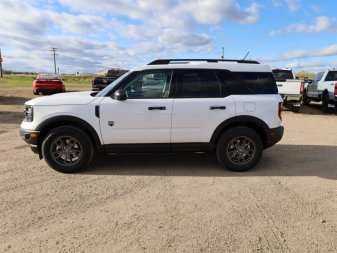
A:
179	61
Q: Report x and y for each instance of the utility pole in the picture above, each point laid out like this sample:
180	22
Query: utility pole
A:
223	53
53	50
0	64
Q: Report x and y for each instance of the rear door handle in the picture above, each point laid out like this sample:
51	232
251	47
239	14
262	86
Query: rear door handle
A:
151	108
217	107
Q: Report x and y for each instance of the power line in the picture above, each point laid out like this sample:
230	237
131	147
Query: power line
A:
53	50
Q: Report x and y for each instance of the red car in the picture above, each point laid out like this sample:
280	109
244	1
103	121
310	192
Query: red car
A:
48	84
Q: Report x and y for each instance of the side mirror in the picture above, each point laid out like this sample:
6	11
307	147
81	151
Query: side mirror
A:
120	95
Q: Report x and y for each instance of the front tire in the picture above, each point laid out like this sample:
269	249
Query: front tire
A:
67	149
239	149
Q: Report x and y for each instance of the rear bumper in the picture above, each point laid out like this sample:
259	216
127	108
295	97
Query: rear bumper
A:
274	135
51	90
291	98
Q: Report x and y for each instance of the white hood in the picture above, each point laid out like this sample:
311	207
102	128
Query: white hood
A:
70	98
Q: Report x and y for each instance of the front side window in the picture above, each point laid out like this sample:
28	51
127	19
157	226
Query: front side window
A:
197	84
247	83
331	76
149	84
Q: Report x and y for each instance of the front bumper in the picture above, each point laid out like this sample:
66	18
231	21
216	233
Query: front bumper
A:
274	135
30	137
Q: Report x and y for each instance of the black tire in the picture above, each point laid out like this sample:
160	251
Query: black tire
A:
305	100
35	93
325	103
239	149
295	109
67	149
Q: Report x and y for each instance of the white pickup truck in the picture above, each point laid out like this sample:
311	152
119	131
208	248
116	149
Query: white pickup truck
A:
290	88
323	88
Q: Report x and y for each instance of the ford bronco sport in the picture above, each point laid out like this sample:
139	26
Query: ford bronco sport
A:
230	107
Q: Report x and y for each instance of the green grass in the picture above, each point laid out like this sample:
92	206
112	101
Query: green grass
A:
27	81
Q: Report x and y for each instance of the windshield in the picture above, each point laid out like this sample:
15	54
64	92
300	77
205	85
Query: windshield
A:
106	90
283	74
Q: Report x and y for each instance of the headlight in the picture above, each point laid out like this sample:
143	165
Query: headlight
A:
28	112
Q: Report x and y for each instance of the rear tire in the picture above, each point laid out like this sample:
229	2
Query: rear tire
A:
295	109
325	103
239	149
67	149
305	100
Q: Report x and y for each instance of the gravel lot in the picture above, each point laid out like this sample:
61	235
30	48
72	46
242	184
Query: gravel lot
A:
172	203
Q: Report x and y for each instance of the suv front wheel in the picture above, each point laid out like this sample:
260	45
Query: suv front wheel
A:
67	149
239	149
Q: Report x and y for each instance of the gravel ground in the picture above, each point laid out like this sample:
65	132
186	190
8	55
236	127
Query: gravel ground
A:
172	203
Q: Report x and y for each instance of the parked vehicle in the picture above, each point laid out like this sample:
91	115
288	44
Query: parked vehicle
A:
290	88
323	89
48	84
100	82
230	107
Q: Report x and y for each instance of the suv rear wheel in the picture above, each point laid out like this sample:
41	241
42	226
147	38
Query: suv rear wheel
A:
239	149
67	149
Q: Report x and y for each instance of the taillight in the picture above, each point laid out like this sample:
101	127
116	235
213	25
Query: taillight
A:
335	92
302	88
280	110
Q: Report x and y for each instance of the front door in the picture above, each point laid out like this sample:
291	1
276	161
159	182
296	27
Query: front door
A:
145	116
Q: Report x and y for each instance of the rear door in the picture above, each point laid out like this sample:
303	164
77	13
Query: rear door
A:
199	106
312	89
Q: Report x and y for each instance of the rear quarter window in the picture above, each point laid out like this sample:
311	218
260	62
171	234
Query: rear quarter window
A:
247	83
331	76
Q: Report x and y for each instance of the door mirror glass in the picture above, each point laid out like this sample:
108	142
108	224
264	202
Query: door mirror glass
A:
120	95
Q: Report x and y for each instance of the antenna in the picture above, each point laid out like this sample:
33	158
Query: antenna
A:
245	56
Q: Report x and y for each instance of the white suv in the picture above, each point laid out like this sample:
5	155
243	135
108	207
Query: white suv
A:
230	107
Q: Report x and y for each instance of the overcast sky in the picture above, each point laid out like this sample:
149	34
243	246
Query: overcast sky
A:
92	35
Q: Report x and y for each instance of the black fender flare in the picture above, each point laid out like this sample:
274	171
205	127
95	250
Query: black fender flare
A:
243	120
69	120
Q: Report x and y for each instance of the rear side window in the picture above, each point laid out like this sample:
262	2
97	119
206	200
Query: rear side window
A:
243	83
331	76
197	84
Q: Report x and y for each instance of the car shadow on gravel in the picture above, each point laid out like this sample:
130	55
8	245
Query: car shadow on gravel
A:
280	160
12	100
11	117
316	109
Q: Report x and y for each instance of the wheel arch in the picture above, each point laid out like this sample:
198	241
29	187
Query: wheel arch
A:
259	126
51	123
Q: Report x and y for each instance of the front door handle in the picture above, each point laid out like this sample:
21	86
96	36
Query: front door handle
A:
151	108
217	107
